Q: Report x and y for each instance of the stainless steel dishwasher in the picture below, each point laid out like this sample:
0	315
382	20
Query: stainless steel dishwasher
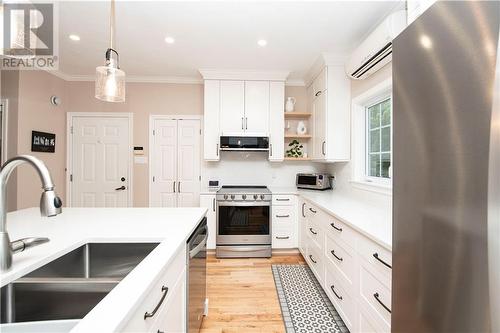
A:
197	277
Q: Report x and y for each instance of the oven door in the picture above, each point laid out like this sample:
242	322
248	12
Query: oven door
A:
243	223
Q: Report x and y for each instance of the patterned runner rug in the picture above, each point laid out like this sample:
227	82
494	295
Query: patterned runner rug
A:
304	304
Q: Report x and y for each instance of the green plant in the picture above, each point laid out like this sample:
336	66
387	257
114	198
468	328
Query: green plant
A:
295	149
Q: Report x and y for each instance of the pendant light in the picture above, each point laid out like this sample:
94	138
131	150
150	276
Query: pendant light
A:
110	79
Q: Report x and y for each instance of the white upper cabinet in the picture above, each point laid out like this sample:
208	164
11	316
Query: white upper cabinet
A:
276	121
232	108
415	8
330	91
211	121
257	108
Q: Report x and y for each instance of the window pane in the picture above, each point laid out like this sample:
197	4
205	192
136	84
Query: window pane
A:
386	139
374	113
386	163
386	112
375	141
374	167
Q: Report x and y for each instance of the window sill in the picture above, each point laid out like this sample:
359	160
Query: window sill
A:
372	187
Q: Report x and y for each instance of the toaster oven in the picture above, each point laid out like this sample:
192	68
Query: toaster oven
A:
313	181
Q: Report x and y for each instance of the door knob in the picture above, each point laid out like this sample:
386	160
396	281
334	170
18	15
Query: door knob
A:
121	188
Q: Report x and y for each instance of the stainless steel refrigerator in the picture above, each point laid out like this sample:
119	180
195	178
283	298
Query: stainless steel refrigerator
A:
446	209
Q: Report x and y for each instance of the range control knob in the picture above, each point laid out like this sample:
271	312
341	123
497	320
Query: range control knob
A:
262	196
255	196
225	196
244	196
232	196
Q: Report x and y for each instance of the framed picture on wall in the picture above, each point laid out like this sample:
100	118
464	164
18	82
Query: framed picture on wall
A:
43	142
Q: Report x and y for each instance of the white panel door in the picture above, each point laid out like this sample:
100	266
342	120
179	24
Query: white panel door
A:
211	120
188	162
100	162
164	164
276	121
257	108
232	107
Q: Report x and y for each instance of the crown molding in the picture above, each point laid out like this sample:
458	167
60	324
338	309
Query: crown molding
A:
218	74
168	79
325	59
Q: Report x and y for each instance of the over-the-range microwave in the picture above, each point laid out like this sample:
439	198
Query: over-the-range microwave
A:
313	181
244	143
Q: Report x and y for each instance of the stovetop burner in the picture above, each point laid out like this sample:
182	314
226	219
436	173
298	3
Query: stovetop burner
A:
243	193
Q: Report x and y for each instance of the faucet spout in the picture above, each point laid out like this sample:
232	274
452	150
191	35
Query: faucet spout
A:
50	203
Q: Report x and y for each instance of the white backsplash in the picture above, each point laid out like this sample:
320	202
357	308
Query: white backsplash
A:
253	168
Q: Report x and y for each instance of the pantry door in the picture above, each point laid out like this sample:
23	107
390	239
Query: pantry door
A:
175	162
99	160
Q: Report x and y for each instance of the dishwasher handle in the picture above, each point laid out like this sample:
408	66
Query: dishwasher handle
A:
198	247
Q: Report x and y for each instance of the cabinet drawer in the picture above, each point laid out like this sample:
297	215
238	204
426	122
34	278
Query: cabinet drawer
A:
156	295
315	234
283	200
319	84
283	215
283	237
344	262
315	261
341	233
342	299
379	259
172	315
365	324
375	298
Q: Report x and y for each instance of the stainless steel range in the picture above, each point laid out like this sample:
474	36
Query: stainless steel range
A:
243	222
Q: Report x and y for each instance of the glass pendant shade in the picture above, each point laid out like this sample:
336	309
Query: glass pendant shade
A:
110	84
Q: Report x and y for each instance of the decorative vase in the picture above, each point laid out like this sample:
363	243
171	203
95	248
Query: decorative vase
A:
301	128
290	104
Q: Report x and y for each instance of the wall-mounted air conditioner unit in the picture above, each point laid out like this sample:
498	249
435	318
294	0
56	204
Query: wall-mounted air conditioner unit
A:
376	50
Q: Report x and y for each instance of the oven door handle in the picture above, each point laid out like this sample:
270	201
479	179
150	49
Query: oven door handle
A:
243	204
198	247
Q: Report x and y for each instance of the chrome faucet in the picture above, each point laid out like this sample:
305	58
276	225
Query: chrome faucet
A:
50	205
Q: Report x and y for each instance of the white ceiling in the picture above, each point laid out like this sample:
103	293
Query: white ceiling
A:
215	35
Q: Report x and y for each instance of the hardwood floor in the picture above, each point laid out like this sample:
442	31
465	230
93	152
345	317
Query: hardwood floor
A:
242	295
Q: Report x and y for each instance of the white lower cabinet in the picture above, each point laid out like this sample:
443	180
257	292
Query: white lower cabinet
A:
354	271
207	200
164	307
284	222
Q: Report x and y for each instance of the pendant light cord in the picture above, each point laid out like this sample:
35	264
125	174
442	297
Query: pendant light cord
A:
112	25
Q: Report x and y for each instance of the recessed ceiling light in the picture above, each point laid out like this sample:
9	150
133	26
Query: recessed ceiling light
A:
75	38
169	40
262	42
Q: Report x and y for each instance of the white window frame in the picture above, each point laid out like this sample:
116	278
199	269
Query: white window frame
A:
368	178
359	177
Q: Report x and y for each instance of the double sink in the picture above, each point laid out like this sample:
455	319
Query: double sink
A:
70	286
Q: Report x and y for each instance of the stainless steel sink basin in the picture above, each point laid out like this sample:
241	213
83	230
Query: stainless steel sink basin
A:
70	286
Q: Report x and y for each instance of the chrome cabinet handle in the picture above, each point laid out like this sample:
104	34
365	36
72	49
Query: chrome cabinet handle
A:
336	228
121	188
179	187
332	287
318	93
312	231
312	259
242	123
284	237
174	186
246	123
213	204
312	210
323	148
286	199
271	149
164	290
338	258
217	150
375	255
303	206
282	216
377	297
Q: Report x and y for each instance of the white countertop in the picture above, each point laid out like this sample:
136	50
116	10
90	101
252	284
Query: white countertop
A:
77	226
371	218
